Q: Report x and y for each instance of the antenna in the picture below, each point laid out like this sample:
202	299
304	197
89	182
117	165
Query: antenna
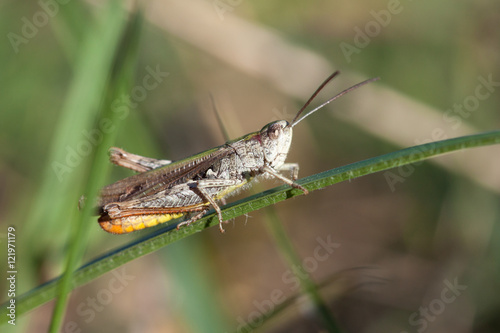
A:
295	121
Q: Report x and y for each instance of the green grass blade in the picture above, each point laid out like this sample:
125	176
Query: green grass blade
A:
308	286
106	36
196	302
65	164
161	238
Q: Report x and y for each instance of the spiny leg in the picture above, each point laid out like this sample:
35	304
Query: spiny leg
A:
205	196
192	219
199	187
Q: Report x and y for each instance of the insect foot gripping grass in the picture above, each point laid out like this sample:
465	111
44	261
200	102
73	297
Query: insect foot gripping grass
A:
164	190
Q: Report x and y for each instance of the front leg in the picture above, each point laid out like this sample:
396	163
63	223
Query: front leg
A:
274	173
293	168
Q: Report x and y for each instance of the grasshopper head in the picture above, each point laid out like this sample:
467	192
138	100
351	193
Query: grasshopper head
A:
276	138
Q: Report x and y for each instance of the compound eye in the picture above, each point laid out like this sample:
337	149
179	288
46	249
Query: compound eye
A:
274	131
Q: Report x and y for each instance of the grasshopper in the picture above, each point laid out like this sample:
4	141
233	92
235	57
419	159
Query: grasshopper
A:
164	190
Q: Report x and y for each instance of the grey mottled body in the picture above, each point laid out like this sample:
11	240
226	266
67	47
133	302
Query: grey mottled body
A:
165	190
195	183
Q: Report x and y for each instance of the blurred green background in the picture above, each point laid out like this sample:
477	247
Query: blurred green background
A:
397	248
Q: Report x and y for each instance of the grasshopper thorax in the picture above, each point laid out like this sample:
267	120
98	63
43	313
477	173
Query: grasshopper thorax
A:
276	138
